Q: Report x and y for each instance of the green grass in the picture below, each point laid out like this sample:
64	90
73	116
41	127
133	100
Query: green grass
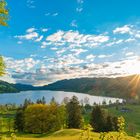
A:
66	134
132	118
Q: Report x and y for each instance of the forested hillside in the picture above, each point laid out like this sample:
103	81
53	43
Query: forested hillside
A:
7	88
123	87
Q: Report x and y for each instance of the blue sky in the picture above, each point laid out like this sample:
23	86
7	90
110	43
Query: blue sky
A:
50	40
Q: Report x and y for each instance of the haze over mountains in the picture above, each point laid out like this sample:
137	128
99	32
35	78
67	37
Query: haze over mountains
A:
121	87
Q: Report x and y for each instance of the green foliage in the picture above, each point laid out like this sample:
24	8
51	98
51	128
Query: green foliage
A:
98	120
102	121
86	133
102	136
41	101
26	103
19	120
2	66
74	115
109	123
13	136
3	13
121	127
121	124
41	118
138	136
6	87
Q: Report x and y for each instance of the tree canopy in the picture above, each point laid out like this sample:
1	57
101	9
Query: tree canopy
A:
74	114
2	66
3	13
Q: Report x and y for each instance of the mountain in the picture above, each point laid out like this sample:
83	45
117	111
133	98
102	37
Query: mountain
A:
6	87
23	87
121	87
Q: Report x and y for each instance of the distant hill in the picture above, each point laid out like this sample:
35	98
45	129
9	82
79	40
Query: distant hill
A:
23	87
121	87
7	87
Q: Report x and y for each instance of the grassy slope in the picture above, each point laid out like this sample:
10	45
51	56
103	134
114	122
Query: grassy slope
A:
132	118
66	134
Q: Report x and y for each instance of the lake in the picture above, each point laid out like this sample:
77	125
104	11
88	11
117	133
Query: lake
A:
18	98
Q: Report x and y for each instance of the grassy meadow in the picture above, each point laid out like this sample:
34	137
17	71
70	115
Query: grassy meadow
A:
132	117
66	134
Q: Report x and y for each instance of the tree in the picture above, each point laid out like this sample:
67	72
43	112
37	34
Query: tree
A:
9	124
3	18
41	101
26	103
35	118
2	66
3	13
98	119
115	123
109	123
62	115
40	118
74	116
19	120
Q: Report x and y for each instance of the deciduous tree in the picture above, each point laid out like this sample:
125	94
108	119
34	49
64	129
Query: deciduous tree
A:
3	13
2	66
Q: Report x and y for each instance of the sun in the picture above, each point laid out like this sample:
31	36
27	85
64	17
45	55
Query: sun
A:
134	83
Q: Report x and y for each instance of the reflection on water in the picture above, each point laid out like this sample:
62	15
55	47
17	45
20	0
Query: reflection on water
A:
18	98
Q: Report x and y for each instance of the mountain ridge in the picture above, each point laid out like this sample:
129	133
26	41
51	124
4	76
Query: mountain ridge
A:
120	87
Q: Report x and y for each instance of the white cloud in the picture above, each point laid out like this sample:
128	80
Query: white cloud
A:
90	57
129	54
20	65
77	39
130	40
104	56
122	30
44	44
78	51
54	48
39	39
28	36
56	37
30	30
45	30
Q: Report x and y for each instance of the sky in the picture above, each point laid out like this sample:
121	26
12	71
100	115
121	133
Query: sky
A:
51	40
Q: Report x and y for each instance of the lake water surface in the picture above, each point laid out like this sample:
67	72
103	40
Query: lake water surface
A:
18	98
